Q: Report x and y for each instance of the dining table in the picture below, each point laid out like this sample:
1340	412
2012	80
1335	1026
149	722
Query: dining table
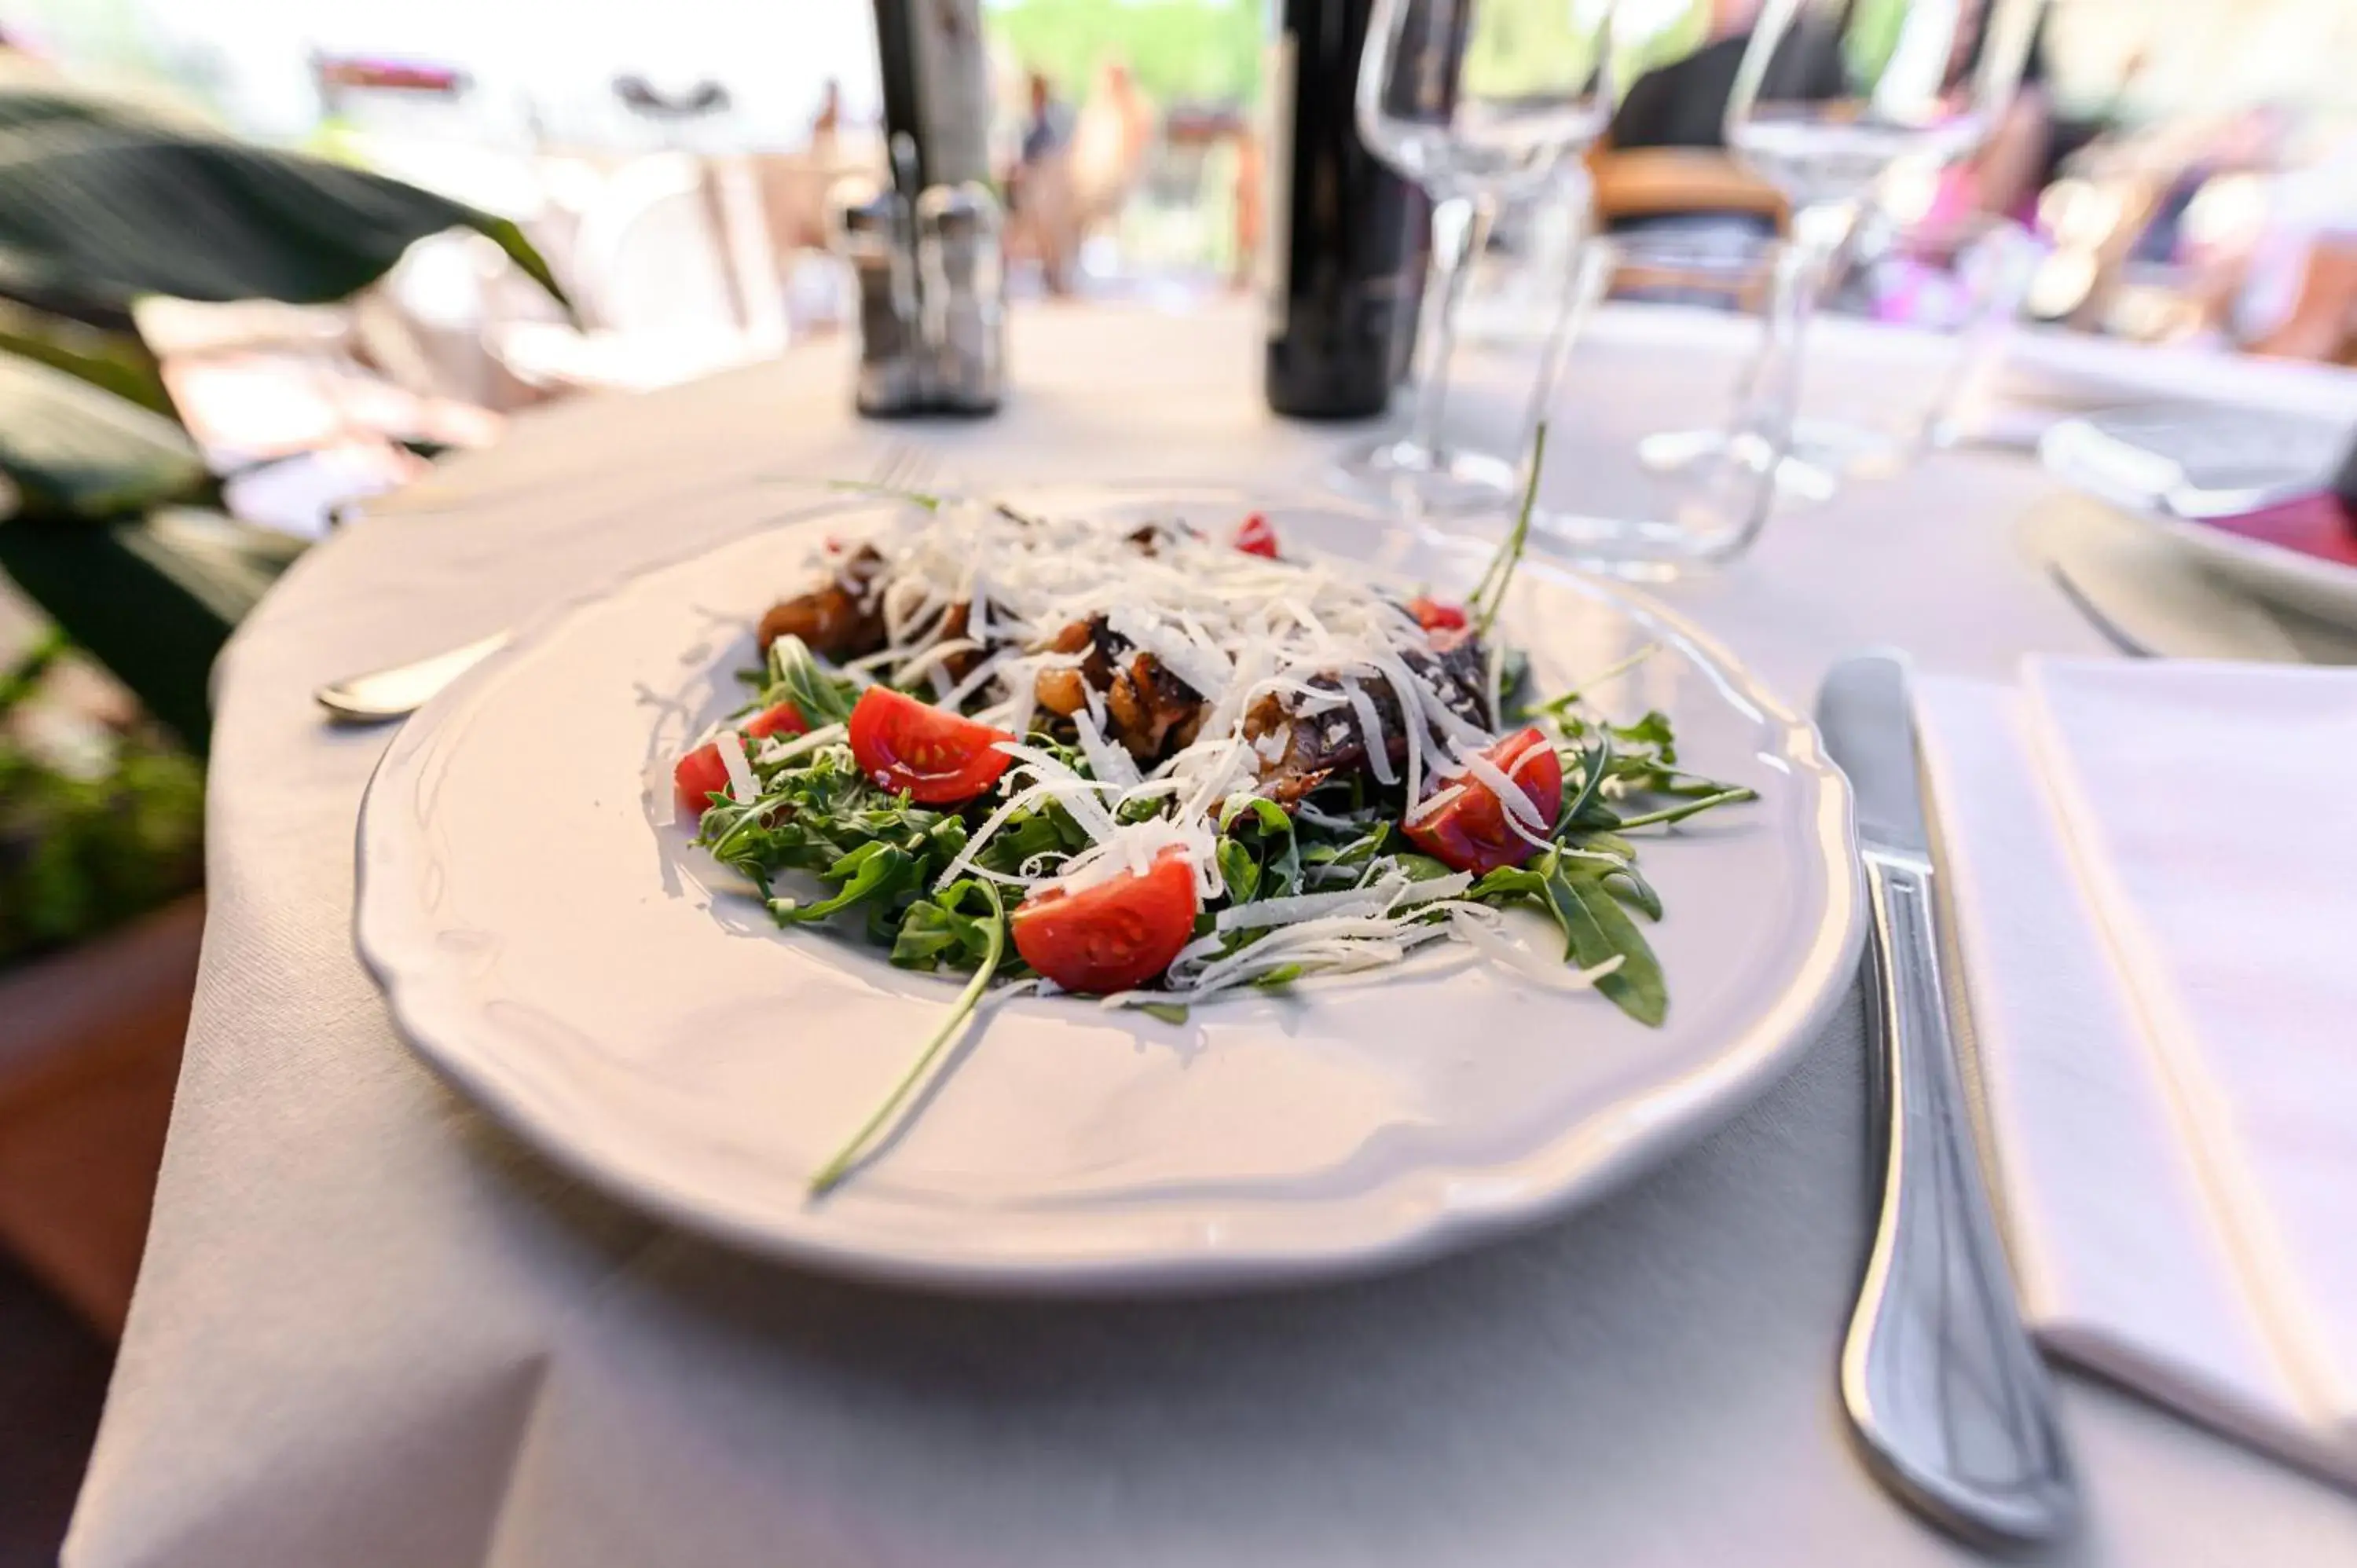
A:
375	1329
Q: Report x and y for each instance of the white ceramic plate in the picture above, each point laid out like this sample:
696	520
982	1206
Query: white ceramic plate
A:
2310	584
582	973
2130	477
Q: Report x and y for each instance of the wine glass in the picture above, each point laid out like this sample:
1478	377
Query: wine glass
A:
1479	102
1596	503
1830	96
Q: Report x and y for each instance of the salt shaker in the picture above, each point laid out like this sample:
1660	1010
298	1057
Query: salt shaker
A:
874	231
962	296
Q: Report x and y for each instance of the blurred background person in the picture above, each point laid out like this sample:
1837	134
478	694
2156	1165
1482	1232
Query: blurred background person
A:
1039	199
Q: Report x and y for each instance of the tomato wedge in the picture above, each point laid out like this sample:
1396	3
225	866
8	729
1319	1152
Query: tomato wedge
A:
1470	831
1119	934
699	775
934	757
783	718
1255	536
1434	615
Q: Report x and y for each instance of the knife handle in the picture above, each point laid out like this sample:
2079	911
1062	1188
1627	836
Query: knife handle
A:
1948	1396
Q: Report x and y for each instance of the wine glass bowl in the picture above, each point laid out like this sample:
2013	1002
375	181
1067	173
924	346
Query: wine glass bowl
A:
1832	93
1599	503
1480	102
1830	96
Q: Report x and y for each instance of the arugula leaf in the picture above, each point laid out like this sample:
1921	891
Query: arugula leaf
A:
1420	867
995	946
1629	885
926	500
940	929
796	676
1271	816
874	870
1599	841
1726	797
1033	841
1650	731
1567	701
1582	897
1489	596
1594	766
1258	824
1509	882
1240	870
1595	930
1364	850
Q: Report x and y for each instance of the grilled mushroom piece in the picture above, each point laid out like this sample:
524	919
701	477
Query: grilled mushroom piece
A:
1300	751
1150	711
961	664
842	618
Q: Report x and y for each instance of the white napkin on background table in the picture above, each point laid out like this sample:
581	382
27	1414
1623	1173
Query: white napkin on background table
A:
2153	868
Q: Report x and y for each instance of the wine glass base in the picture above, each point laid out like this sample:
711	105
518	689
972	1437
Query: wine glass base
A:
1624	548
1804	475
1632	551
1428	483
1823	453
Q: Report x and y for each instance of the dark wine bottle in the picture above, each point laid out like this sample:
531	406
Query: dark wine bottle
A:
1343	262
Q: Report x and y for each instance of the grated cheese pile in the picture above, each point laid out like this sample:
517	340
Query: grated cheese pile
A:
1236	627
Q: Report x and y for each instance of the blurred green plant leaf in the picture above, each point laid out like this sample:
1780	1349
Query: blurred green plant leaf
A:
153	598
71	449
117	361
106	199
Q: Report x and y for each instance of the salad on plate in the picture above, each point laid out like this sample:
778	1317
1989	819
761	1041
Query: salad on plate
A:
1141	763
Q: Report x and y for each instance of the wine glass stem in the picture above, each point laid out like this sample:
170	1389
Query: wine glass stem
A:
1823	233
1461	228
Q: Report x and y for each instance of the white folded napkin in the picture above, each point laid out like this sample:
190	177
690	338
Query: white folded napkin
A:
2154	872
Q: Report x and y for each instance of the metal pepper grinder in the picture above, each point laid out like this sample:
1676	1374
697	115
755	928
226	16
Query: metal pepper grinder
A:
960	293
873	230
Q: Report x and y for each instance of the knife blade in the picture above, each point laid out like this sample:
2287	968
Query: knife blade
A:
1943	1389
1869	727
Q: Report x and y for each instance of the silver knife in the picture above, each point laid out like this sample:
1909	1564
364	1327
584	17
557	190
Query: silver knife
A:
1950	1399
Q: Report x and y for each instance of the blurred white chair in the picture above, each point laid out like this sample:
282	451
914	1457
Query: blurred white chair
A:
676	277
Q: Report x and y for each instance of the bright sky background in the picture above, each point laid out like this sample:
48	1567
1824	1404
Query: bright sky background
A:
773	55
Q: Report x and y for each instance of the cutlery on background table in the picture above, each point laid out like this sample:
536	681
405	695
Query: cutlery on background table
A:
400	689
2110	630
1946	1393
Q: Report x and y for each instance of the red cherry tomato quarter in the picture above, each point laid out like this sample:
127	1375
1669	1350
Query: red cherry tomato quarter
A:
1113	936
699	775
1434	615
1255	536
1470	830
784	718
934	757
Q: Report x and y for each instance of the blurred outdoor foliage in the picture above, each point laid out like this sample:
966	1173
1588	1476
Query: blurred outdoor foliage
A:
1205	51
97	826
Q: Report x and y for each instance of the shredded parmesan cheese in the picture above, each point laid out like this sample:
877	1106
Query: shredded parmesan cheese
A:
1240	633
744	788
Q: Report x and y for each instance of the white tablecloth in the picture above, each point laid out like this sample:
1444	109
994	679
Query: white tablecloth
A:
373	1331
